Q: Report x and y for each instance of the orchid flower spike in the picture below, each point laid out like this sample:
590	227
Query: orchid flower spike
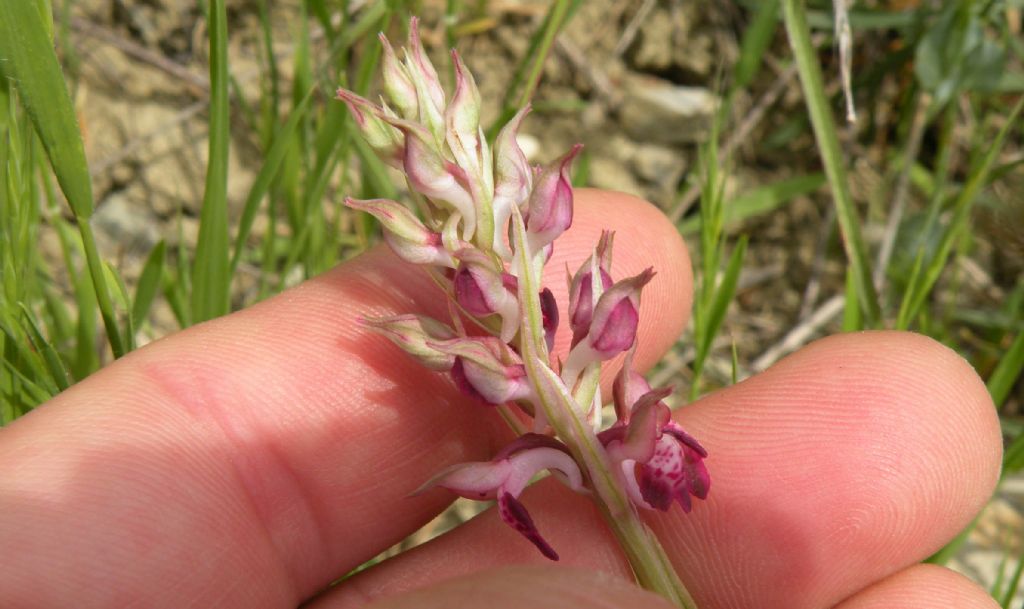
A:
484	226
505	477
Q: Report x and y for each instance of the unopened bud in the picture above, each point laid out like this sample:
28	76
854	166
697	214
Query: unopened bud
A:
433	176
487	369
404	233
613	327
482	290
383	138
397	82
412	333
550	207
583	292
429	94
513	178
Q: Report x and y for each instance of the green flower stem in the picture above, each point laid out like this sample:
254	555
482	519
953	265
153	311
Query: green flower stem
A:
650	563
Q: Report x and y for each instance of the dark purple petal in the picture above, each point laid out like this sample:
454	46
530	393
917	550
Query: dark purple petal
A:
616	433
459	376
654	487
469	293
515	515
674	472
674	429
549	313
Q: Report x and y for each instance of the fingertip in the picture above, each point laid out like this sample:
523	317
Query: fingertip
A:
529	586
922	587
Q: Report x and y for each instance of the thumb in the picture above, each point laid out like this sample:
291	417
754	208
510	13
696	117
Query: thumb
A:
537	587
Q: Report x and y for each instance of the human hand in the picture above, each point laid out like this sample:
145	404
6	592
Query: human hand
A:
251	460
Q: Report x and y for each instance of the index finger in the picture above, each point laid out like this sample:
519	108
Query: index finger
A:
255	458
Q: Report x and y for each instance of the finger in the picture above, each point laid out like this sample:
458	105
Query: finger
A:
842	464
534	587
273	449
922	587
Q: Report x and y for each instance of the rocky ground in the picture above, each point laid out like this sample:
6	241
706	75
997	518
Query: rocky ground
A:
634	81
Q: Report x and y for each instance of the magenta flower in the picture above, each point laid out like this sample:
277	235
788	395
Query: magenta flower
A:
505	477
660	462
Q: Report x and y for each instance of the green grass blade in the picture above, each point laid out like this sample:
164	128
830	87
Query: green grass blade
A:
211	283
265	177
149	283
761	200
1013	584
102	289
24	357
113	277
714	316
852	320
1008	371
28	59
58	373
925	275
37	394
756	40
527	74
824	127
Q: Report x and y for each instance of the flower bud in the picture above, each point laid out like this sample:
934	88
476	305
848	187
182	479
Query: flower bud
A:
549	211
383	138
429	94
463	113
513	178
397	82
482	290
412	333
583	293
433	176
486	368
627	389
613	326
617	315
404	233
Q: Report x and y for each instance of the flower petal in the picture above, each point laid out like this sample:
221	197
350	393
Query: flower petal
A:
515	515
476	480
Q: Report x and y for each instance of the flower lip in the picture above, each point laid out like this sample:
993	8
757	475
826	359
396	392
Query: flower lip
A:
505	477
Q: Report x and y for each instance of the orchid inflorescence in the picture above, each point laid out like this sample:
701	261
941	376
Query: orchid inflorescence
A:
486	227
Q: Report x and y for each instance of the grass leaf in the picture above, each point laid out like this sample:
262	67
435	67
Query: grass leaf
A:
211	271
28	59
149	283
